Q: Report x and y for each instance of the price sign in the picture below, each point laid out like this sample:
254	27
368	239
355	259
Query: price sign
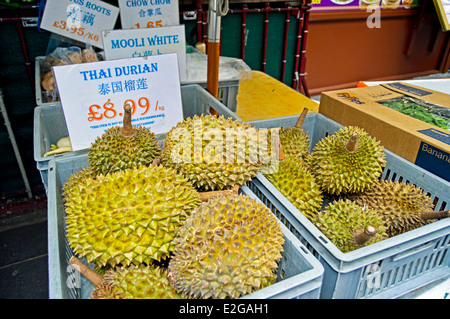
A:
138	14
81	20
93	95
119	44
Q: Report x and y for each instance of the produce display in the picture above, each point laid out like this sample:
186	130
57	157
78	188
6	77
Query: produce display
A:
169	223
62	146
426	112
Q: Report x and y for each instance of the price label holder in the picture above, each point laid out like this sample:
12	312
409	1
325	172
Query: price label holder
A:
93	94
119	44
81	20
138	14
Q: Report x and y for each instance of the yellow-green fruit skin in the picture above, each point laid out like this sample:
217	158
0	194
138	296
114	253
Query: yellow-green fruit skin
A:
341	219
128	217
340	172
298	185
399	203
135	282
197	148
227	248
112	152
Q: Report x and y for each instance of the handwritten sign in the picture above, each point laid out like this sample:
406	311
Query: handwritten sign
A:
93	95
138	14
81	20
119	44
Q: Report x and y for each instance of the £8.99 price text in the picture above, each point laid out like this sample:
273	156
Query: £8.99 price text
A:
97	112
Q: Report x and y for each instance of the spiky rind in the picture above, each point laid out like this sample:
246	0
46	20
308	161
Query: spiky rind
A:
135	282
340	172
295	142
112	152
129	216
228	247
298	185
341	219
399	203
197	148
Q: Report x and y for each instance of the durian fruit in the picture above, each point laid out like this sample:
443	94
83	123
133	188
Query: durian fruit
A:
125	147
228	247
350	226
77	178
294	180
213	152
348	161
294	140
131	282
127	217
403	206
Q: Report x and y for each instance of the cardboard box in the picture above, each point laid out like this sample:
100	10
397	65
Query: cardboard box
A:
423	144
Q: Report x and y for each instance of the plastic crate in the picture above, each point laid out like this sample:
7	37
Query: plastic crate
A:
50	125
299	273
387	269
227	93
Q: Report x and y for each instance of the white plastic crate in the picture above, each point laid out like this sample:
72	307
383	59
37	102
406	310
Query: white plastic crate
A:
299	273
387	269
50	125
227	93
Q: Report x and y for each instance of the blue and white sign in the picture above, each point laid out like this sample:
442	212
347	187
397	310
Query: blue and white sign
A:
93	95
120	44
81	20
140	14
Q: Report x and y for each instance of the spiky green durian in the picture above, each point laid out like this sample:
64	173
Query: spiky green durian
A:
228	247
135	282
214	153
77	178
129	216
400	204
298	185
121	148
350	226
295	142
348	161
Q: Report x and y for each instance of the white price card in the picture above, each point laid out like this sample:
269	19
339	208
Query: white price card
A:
93	94
81	20
138	14
119	44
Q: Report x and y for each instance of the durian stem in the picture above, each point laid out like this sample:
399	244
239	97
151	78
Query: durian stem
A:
362	237
90	274
301	118
429	214
205	196
351	146
156	161
281	156
127	129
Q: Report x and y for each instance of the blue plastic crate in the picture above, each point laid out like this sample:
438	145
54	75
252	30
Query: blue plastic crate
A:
299	273
387	269
50	125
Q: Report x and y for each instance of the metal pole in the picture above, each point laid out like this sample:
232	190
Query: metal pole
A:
14	145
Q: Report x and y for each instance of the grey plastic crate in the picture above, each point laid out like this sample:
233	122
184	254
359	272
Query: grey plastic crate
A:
299	273
227	93
387	269
50	125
